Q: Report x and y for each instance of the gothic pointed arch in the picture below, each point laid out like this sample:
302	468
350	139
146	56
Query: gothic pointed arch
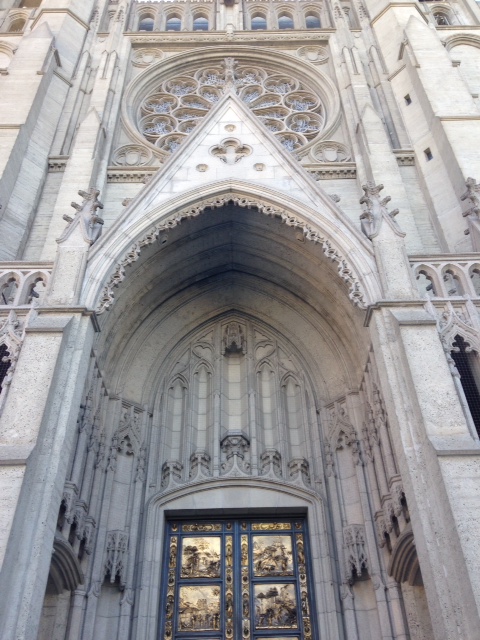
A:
362	284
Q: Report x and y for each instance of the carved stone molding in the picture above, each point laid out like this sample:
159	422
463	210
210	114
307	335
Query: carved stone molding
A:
271	464
313	54
132	155
238	36
355	551
299	471
405	158
23	284
171	473
57	164
141	464
333	171
234	338
345	272
330	151
453	322
199	465
145	57
235	449
329	462
231	151
137	174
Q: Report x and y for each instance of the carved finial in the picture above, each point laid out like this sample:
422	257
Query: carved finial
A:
376	211
86	216
473	195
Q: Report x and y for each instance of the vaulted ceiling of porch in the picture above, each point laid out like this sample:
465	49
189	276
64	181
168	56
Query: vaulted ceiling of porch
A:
232	259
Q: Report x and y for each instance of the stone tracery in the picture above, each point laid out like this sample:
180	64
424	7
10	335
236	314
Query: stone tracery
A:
293	112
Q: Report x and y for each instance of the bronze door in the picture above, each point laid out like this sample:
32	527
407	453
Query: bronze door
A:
236	580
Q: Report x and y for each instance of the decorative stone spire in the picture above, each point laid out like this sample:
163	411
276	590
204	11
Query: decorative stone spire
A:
472	196
86	217
375	212
380	226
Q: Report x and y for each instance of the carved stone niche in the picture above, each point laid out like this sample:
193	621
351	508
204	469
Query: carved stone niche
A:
356	562
235	449
116	557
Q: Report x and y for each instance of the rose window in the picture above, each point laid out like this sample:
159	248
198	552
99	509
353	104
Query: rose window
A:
293	113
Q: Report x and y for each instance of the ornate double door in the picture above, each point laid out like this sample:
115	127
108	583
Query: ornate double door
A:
236	580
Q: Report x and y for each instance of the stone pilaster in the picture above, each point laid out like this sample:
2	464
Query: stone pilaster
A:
52	365
438	460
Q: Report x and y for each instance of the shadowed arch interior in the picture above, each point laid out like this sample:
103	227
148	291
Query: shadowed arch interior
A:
228	258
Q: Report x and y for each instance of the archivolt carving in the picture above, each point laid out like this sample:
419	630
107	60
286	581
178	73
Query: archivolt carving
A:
345	272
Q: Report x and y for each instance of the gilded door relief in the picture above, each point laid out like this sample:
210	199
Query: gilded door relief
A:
237	580
273	555
201	557
199	608
275	606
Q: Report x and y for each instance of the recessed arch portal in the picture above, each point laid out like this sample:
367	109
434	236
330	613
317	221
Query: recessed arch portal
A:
230	258
362	283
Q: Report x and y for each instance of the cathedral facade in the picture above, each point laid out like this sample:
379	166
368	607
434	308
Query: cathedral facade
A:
239	319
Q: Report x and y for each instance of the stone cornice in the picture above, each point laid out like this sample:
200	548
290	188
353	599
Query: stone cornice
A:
332	170
211	37
6	265
444	257
130	174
